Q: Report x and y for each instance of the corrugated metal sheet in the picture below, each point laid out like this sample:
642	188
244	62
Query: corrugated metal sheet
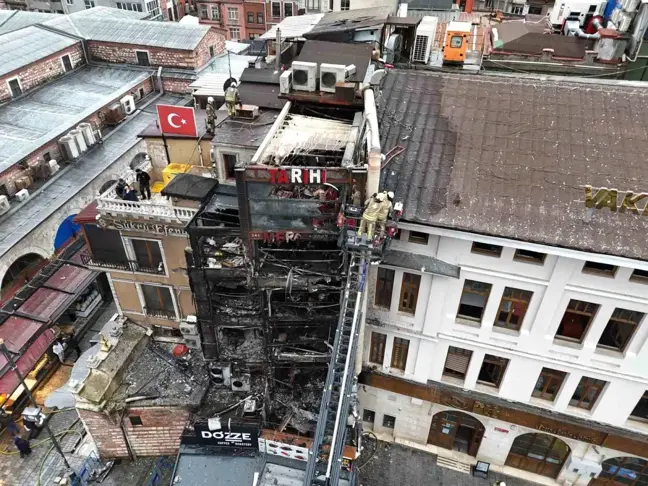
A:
17	331
9	381
70	278
293	27
44	304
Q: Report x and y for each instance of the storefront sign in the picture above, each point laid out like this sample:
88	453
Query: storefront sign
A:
235	436
141	227
602	197
288	236
566	433
500	429
297	175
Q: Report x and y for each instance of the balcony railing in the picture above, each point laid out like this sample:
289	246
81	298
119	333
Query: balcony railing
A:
161	313
125	265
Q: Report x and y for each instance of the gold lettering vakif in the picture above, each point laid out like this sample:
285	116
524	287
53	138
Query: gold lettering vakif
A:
608	198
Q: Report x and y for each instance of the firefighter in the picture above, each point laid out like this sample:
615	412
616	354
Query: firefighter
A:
355	195
232	99
373	206
210	120
385	209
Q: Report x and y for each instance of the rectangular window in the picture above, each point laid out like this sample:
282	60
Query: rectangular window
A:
69	2
276	10
313	4
147	255
211	51
600	269
492	370
203	12
215	12
250	17
253	36
158	301
409	292
377	351
67	63
587	393
535	10
513	307
345	5
473	300
548	384
640	412
153	8
259	18
368	416
229	162
486	249
288	9
456	363
235	33
135	420
640	276
47	156
620	329
399	353
384	287
14	87
389	422
232	13
577	319
142	58
529	256
419	238
89	4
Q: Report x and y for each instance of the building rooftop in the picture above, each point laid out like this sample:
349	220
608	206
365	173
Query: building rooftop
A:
338	53
509	157
349	20
191	187
244	133
47	113
212	78
11	20
20	48
293	27
532	38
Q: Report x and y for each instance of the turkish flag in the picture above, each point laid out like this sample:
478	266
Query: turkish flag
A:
177	120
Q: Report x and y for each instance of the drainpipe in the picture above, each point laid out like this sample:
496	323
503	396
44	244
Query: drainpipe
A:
159	78
278	50
373	141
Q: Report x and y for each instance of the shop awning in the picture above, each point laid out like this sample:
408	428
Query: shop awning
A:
70	278
17	332
45	304
9	381
420	263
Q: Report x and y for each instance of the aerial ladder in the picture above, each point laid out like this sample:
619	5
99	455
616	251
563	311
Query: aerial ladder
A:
326	454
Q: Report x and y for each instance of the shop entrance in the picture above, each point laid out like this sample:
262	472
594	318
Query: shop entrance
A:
456	431
538	453
626	471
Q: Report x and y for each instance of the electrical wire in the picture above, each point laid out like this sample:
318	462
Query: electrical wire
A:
368	432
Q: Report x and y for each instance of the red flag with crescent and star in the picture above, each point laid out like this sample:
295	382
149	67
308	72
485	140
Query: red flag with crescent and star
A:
177	120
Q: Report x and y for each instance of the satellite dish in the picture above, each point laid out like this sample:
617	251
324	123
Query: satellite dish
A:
228	83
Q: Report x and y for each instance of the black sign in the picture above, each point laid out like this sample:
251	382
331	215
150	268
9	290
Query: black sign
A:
235	436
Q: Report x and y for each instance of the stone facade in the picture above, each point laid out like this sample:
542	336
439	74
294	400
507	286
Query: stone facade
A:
158	435
176	85
41	71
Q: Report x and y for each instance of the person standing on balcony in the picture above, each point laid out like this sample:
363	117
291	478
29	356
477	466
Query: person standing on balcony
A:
144	181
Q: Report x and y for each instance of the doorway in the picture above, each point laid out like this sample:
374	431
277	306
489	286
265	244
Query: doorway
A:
456	431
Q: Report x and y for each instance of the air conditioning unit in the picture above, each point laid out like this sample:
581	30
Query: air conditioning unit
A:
188	329
241	382
221	374
22	195
285	82
128	102
190	318
425	33
52	167
78	136
115	114
583	467
4	204
69	147
330	74
304	77
88	133
192	342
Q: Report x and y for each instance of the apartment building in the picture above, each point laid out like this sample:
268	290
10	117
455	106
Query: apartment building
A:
235	19
533	360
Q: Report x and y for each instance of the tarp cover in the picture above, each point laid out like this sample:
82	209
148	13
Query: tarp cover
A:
9	381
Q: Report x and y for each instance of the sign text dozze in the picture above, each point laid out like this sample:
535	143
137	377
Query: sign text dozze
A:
236	436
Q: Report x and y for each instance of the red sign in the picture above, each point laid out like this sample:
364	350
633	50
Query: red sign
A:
503	431
297	175
177	120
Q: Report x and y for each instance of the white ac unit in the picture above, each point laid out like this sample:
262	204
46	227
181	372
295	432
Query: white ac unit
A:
241	382
330	74
192	342
69	147
221	374
52	167
191	318
4	204
188	329
22	195
88	133
583	467
285	82
304	75
80	141
425	33
128	102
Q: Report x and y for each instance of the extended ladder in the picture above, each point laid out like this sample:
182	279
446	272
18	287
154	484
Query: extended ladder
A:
325	456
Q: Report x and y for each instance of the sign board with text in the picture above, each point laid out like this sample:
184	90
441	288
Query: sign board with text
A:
157	229
243	436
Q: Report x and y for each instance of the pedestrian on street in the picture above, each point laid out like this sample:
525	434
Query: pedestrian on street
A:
72	343
7	422
23	446
144	181
59	349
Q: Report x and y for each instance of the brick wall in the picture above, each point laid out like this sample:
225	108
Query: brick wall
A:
270	20
159	434
41	71
174	85
202	52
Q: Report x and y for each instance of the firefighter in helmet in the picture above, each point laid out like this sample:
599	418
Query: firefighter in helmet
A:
373	207
210	120
232	99
385	209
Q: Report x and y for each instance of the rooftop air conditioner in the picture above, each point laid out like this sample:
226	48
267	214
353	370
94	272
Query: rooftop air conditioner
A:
78	136
192	342
285	82
191	318
188	329
69	147
52	167
241	382
4	204
330	74
22	195
221	374
304	75
115	114
128	102
88	133
425	33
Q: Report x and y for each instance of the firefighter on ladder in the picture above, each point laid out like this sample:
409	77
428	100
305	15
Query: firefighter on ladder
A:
232	99
210	120
385	209
373	208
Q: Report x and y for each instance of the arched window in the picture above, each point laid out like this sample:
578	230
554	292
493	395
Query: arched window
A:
627	471
22	270
456	431
538	453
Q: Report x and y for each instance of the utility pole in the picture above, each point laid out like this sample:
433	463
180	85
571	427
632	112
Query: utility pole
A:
12	365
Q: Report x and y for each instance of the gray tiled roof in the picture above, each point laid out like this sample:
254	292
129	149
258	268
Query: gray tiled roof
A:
509	156
11	20
27	45
131	31
47	113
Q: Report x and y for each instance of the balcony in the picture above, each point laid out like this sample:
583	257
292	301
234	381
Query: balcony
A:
124	266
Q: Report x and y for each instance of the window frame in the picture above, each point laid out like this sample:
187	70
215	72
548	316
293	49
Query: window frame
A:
20	87
589	383
551	376
409	288
131	256
480	248
285	10
387	419
496	361
418	238
135	420
371	413
235	33
250	15
212	9
635	326
260	15
203	12
639	418
377	348
89	2
518	257
225	165
642	279
400	352
513	300
69	2
345	5
65	69
592	316
148	57
143	304
384	288
456	351
611	272
232	10
272	9
485	294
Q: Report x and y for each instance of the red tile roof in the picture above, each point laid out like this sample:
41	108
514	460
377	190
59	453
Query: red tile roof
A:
44	303
70	278
17	331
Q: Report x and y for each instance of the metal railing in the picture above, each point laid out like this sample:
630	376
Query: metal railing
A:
161	313
124	265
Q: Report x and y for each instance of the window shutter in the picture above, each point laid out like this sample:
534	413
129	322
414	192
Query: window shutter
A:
457	362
